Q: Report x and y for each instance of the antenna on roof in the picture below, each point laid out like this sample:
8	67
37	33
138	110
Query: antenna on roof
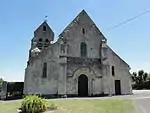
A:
46	18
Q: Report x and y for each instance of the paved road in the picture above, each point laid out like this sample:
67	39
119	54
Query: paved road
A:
142	103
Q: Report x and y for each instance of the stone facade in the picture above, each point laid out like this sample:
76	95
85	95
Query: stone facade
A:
81	49
3	93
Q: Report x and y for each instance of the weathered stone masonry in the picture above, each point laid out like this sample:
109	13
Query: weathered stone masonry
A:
79	63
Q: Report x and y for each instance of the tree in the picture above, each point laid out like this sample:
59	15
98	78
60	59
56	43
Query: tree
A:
141	80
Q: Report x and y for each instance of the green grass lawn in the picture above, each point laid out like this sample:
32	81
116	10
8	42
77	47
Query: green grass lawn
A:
80	106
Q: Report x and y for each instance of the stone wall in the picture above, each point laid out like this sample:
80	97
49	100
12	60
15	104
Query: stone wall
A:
3	92
74	36
121	73
88	66
34	83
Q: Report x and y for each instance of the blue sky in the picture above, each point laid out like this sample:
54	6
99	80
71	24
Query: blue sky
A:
19	18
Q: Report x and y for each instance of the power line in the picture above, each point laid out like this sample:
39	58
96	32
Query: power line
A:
128	20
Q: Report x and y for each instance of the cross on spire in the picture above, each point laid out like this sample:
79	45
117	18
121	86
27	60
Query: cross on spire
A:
46	18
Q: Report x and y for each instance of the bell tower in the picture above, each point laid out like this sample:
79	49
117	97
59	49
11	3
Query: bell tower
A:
43	36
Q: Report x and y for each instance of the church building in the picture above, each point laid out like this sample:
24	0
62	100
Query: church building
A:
80	63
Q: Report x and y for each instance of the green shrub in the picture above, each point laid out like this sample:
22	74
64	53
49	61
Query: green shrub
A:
33	104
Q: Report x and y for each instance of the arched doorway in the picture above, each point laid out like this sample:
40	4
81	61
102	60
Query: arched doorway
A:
82	86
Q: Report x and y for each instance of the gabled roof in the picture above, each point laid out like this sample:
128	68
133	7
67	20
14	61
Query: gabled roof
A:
118	56
44	24
83	14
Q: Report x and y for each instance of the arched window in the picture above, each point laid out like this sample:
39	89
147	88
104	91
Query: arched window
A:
40	40
83	49
46	43
46	40
44	70
113	70
83	30
40	43
44	28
